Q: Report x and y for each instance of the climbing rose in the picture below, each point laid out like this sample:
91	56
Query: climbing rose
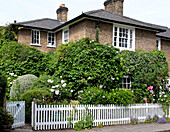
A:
103	96
101	86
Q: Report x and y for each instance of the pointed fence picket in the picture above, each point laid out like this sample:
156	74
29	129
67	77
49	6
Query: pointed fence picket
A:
51	117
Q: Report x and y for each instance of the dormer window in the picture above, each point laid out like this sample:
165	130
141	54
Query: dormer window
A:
35	37
51	39
65	35
123	38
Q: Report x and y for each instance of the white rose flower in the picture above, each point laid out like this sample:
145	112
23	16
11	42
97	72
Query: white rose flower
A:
53	86
61	77
62	81
117	52
71	90
57	92
49	80
56	86
89	77
112	78
11	74
9	78
165	96
162	100
52	90
64	85
92	40
10	82
15	75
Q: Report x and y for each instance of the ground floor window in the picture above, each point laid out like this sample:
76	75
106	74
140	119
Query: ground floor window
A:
51	40
126	82
35	37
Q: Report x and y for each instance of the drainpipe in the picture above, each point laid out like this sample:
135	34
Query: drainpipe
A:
97	30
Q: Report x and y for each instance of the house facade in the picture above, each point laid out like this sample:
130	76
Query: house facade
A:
123	32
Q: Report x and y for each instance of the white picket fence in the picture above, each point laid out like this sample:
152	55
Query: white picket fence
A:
17	110
51	117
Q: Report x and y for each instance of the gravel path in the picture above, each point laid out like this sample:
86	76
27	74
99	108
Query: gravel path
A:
154	127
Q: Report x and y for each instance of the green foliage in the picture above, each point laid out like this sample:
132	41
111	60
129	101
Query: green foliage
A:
121	97
88	64
3	86
21	59
97	95
21	85
86	122
43	96
5	118
9	33
148	68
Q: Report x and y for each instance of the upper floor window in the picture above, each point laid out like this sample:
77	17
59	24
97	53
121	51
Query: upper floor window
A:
51	40
65	36
158	44
126	82
123	38
35	37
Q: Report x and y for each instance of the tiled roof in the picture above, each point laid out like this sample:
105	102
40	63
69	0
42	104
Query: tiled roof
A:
44	23
103	14
164	34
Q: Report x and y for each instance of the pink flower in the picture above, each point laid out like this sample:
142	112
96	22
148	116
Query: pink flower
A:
101	86
80	97
103	96
94	93
160	79
159	85
78	92
132	91
153	95
151	87
146	85
81	91
163	92
89	92
167	85
145	99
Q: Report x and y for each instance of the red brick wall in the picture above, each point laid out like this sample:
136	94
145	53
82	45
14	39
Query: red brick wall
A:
145	40
24	37
165	46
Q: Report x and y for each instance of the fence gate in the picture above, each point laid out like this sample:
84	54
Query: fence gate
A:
17	110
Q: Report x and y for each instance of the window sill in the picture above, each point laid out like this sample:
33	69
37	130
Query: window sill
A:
38	45
49	46
125	49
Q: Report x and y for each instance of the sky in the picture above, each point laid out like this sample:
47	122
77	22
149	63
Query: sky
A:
152	11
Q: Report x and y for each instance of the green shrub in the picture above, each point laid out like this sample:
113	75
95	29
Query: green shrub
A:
3	86
146	69
21	59
88	64
21	85
43	96
5	118
121	97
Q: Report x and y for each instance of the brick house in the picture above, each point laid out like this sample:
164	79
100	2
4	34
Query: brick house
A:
123	32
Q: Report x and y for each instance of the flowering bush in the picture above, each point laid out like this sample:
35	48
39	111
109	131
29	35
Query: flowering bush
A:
149	68
56	85
87	63
21	85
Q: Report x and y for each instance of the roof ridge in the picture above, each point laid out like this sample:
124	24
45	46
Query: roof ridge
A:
36	20
93	11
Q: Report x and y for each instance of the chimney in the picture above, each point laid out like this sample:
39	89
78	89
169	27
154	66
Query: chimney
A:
115	6
62	13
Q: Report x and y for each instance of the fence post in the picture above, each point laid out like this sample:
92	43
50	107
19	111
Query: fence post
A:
34	113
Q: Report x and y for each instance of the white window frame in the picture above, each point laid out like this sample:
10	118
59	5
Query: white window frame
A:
159	44
128	43
126	82
49	45
63	37
35	44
